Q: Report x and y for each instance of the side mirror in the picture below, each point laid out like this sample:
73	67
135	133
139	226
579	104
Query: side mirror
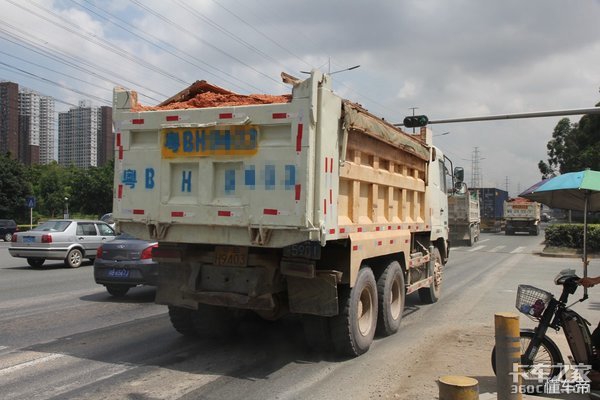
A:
459	174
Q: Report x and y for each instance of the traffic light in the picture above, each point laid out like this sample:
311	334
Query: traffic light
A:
415	121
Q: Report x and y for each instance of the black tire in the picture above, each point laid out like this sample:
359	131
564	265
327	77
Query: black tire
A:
353	329
117	290
431	294
7	237
317	332
74	258
35	262
390	295
181	319
548	354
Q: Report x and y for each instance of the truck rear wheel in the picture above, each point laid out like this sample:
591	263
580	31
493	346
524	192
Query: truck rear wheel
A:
353	329
181	319
431	294
391	294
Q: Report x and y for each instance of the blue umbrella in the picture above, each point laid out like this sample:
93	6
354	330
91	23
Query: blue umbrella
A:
571	191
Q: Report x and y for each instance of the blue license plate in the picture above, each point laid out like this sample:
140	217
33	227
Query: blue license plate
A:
118	273
28	239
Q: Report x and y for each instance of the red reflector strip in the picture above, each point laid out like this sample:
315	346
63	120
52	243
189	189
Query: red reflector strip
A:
177	214
332	231
326	163
379	243
279	115
120	152
137	121
299	138
354	248
138	212
118	139
342	230
325	206
359	229
377	228
270	211
389	228
172	118
226	116
120	192
331	165
224	213
298	188
391	241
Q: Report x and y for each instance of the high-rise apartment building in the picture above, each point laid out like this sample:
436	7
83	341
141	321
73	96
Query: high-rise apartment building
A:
27	124
37	127
9	119
82	133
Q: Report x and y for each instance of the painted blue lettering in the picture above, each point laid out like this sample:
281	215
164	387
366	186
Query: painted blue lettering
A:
172	141
188	141
290	177
186	181
129	178
230	181
269	177
149	178
250	176
200	140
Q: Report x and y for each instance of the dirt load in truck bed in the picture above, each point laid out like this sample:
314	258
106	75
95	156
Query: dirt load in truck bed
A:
202	94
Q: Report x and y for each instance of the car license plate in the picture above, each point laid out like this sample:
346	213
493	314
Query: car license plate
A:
231	256
118	273
28	239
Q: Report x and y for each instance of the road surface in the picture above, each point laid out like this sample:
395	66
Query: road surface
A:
64	337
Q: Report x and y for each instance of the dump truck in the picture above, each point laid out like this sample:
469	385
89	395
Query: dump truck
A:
306	205
522	215
491	203
463	217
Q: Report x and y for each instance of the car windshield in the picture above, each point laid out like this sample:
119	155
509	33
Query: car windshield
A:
53	226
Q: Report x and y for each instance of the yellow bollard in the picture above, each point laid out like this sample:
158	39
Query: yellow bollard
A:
458	388
508	353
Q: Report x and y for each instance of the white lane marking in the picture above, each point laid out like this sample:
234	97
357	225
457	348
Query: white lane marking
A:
518	249
477	248
481	241
31	363
497	249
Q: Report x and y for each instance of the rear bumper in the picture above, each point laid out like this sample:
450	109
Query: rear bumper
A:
137	273
32	252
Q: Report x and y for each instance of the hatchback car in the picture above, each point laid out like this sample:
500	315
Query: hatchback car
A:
62	239
124	263
7	229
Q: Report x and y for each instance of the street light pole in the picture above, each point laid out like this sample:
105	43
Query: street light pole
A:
66	216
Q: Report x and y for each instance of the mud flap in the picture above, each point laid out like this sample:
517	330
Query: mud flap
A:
317	296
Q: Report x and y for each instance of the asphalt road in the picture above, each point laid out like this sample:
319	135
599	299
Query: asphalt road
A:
64	337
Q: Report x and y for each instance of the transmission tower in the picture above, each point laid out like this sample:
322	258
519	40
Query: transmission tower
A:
475	173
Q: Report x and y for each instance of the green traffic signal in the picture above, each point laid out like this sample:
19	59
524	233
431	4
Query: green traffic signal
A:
415	121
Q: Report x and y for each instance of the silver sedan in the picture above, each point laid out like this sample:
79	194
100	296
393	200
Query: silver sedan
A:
62	239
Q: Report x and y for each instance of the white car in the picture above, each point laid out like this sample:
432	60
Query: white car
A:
61	239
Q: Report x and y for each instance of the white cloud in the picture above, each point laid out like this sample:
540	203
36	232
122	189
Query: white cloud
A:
450	59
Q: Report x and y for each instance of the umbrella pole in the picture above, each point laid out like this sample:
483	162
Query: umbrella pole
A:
585	259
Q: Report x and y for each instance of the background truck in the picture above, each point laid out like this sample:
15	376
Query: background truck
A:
307	205
522	215
491	208
463	216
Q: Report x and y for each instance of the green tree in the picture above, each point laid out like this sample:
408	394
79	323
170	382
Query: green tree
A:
93	190
14	187
573	147
52	187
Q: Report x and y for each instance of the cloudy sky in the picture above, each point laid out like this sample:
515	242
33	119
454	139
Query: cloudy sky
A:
449	58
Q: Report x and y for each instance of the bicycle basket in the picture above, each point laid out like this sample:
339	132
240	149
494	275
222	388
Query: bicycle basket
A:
532	301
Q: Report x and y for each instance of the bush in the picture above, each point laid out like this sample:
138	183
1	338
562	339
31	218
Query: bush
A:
571	236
